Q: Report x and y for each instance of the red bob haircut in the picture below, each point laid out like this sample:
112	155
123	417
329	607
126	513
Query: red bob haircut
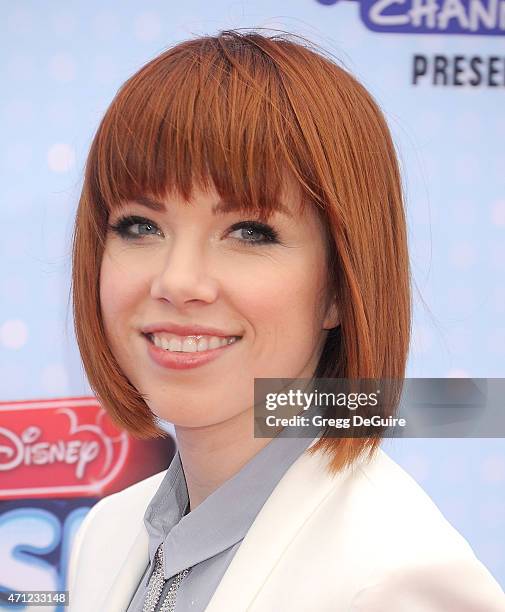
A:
238	111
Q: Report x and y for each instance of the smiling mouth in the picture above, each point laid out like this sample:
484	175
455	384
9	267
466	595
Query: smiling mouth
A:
197	344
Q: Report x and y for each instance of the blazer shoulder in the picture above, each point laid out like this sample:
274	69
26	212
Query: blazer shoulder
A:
462	585
119	517
396	490
135	498
392	509
414	556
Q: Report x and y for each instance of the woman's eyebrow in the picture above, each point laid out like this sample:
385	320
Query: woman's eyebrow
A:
220	207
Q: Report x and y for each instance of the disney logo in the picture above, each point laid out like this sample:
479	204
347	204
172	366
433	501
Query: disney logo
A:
25	449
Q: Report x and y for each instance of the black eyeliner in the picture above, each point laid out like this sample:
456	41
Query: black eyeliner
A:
123	224
268	231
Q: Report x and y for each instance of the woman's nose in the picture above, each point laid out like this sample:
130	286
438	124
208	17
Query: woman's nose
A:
183	276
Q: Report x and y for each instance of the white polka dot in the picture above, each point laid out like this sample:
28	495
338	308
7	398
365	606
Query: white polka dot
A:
457	373
63	24
498	212
462	255
13	334
147	26
60	157
493	468
62	67
54	379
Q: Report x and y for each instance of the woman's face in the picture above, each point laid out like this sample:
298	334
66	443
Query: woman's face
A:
187	265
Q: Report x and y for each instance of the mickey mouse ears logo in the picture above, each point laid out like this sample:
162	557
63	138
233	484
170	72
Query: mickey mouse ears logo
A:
59	448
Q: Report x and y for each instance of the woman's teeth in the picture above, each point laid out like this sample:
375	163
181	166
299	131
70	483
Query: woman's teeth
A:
191	344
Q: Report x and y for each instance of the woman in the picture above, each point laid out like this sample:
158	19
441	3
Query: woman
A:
241	217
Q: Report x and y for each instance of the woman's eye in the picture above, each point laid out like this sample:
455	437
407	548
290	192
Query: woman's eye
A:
133	227
254	232
250	233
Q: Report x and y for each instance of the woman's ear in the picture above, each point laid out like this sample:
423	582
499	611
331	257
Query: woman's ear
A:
332	318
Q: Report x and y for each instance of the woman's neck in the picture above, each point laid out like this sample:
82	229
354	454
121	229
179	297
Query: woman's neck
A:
212	455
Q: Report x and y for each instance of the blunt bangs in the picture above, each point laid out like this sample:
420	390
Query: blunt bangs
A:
208	114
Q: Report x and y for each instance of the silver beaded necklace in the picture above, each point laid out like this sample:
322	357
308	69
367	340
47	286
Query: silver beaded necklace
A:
156	583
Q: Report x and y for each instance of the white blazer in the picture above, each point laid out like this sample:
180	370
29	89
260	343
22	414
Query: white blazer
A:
367	540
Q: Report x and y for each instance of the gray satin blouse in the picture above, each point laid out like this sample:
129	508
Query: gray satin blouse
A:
207	538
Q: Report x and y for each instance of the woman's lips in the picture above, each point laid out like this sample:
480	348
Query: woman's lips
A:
182	361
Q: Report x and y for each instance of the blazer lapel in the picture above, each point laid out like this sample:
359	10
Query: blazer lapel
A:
126	582
300	491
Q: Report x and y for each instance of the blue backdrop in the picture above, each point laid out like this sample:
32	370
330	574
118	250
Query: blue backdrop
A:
438	75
